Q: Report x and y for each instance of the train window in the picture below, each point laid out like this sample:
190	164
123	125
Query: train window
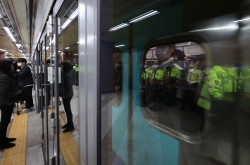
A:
171	86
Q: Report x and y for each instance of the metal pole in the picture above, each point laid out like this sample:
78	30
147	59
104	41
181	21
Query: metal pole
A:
56	91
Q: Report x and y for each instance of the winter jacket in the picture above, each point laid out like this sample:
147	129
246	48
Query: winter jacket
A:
66	87
8	88
25	77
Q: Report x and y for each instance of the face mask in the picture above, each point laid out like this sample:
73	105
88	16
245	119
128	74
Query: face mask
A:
19	64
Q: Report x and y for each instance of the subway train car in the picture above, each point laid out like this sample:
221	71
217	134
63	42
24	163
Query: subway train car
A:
163	82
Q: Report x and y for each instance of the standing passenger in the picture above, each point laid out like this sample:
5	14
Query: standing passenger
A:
8	97
26	83
66	92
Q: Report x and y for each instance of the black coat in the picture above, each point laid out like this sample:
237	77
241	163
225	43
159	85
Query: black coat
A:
25	76
66	85
8	89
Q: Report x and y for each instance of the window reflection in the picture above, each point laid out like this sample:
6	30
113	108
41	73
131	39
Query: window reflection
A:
172	81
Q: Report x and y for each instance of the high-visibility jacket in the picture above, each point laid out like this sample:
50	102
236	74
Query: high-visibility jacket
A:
147	74
159	74
194	75
222	80
76	68
175	73
204	100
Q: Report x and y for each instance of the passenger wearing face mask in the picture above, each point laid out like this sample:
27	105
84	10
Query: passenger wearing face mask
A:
26	83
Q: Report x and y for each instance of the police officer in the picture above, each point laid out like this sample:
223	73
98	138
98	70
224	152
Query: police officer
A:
222	90
146	75
156	86
193	78
76	69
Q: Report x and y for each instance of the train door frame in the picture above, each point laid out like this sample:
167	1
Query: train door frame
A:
89	81
44	100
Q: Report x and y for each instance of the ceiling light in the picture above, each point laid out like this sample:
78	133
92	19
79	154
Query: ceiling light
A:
233	26
242	20
66	23
118	27
67	47
74	14
76	54
59	51
18	45
119	45
10	34
144	16
71	17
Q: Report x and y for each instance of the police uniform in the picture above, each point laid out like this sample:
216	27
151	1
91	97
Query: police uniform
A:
170	84
193	78
222	90
144	88
156	87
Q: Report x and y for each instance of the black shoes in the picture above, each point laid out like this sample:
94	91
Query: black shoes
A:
69	129
65	126
6	146
10	139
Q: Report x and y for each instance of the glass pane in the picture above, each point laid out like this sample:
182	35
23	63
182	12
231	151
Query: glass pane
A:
171	83
68	87
174	83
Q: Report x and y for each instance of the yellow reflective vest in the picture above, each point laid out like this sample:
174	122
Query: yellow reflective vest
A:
222	79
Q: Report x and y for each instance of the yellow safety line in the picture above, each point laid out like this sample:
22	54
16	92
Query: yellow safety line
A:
69	148
17	155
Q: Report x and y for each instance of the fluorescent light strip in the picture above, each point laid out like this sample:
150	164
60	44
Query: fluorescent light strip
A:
217	28
144	16
118	27
67	47
117	46
71	17
242	20
10	34
74	14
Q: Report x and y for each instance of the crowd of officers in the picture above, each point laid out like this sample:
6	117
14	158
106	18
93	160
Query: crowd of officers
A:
221	90
194	83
